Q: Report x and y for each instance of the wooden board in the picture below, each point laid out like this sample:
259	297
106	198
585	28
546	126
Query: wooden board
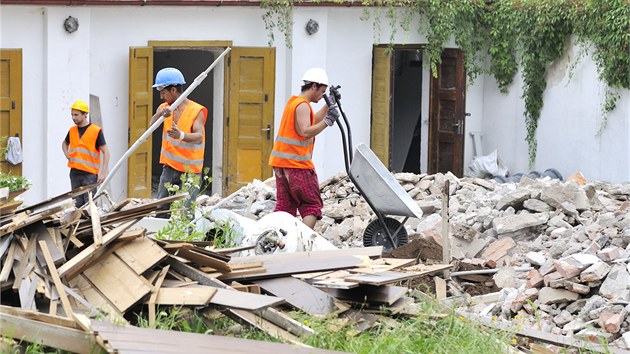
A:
197	296
95	298
247	301
382	278
369	294
141	254
299	294
117	282
146	340
76	264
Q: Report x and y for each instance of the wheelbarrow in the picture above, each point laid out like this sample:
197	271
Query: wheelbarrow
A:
377	185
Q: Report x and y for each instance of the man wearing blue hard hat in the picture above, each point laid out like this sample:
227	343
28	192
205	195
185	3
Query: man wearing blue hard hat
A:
183	133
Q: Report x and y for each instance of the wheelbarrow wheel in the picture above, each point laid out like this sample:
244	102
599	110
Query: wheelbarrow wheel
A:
376	235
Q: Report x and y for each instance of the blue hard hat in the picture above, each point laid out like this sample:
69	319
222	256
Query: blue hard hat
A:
168	76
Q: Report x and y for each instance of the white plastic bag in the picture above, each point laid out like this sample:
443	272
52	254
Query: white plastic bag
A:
487	166
14	150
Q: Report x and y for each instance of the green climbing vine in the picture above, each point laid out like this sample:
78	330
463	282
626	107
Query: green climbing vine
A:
501	37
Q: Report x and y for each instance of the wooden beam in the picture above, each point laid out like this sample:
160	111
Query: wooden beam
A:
46	334
58	284
97	231
154	294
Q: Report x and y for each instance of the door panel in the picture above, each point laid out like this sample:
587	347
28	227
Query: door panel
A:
380	135
249	125
10	102
140	113
446	111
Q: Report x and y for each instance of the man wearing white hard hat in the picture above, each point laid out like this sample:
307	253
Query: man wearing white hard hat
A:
183	133
83	146
297	186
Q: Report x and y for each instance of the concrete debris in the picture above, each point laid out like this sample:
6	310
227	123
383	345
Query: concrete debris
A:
575	234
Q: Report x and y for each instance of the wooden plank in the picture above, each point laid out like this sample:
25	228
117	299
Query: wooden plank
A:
97	231
154	293
8	262
39	231
204	260
79	261
372	252
382	278
246	301
39	316
125	339
303	262
264	325
50	335
191	296
5	242
300	295
117	282
26	264
369	294
53	273
440	288
141	254
26	292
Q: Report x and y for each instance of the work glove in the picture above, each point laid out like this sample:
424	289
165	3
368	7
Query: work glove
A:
331	117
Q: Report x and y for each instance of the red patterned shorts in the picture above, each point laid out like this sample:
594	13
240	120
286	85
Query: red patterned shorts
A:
298	190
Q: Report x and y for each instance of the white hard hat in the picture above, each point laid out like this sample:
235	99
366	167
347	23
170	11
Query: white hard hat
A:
317	75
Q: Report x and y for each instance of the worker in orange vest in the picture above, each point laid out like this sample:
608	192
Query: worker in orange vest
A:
297	186
183	133
86	151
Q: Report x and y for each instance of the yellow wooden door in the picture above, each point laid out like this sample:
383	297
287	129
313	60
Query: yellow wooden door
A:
248	130
140	112
10	103
381	104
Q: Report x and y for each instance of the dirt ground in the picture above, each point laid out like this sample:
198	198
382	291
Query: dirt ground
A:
428	251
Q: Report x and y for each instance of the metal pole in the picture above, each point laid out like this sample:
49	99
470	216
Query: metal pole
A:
158	122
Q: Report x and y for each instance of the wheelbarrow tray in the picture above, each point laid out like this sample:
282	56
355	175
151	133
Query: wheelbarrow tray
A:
379	187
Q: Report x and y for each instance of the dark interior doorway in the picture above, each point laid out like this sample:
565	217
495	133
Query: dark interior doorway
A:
406	113
191	62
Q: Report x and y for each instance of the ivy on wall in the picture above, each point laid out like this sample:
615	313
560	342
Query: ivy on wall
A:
501	37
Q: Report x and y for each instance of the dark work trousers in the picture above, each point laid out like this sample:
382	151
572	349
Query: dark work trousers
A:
174	177
77	180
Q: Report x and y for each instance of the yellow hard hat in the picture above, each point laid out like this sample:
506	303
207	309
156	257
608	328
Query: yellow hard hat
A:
80	105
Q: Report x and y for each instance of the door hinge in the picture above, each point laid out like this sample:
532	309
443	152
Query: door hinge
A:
226	181
128	135
266	97
227	121
12	104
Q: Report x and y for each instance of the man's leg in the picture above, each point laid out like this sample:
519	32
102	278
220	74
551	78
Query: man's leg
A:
79	180
284	200
305	188
172	176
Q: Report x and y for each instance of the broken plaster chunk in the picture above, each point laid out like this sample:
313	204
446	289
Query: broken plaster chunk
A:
548	296
512	223
535	258
595	272
498	249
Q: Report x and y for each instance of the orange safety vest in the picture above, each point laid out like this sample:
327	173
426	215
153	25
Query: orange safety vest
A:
82	151
182	156
291	150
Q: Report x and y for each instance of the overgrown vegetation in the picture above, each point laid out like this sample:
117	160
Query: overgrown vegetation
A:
419	334
499	37
180	225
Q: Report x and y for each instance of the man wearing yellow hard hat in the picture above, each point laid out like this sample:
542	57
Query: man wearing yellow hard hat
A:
86	151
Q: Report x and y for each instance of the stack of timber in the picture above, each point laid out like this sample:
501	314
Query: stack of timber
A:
72	279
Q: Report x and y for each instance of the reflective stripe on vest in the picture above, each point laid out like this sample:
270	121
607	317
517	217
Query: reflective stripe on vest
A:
291	150
180	155
82	153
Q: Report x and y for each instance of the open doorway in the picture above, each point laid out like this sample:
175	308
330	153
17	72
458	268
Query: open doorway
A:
406	112
191	62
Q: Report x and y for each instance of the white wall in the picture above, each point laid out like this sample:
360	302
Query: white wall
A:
59	67
568	126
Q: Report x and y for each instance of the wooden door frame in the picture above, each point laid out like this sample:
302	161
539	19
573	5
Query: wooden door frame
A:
434	153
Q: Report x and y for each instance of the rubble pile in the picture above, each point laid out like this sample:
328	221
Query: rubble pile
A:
559	251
